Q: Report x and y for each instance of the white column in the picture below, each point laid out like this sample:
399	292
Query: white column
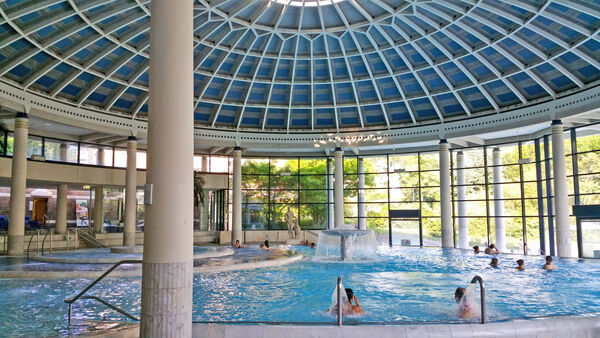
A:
338	188
362	208
61	209
98	209
499	226
330	220
463	222
62	152
100	156
130	193
445	198
236	216
561	197
167	273
204	206
18	185
205	162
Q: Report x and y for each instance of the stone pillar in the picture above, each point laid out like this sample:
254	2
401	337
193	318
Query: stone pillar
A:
445	197
130	193
236	216
362	208
461	190
98	209
499	226
18	185
168	271
100	156
61	209
330	219
561	197
338	188
62	152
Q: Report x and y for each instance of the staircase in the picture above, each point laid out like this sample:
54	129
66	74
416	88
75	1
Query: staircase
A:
87	235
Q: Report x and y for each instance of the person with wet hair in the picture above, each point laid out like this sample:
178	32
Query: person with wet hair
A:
267	244
520	265
494	262
465	307
237	244
491	250
476	249
549	265
354	305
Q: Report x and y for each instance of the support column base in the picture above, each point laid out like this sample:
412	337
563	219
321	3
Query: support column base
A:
16	245
167	299
128	238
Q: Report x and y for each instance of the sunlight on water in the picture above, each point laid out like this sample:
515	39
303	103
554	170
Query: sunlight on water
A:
402	284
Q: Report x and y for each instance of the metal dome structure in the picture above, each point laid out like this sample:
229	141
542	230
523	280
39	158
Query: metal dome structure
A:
293	66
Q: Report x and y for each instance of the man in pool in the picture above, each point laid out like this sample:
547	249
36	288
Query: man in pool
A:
476	249
267	244
520	265
465	308
491	250
494	262
313	246
549	265
262	247
237	244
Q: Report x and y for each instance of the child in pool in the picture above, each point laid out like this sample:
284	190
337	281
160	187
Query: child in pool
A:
465	307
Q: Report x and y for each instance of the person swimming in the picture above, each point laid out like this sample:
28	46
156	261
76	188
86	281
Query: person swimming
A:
267	244
491	250
494	262
465	307
313	246
237	244
262	247
549	265
476	249
520	265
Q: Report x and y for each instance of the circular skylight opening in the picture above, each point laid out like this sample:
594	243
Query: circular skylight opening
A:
307	3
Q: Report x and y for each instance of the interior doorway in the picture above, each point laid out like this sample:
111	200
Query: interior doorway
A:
40	207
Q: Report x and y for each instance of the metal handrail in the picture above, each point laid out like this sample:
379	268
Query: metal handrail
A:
339	301
48	232
80	295
119	310
476	279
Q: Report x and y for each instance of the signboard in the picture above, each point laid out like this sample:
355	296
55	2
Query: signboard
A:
81	212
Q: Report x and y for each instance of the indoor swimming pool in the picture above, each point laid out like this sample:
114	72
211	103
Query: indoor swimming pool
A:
401	285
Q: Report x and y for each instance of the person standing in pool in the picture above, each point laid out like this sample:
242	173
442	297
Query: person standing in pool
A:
465	307
549	265
520	265
476	249
491	250
355	308
237	244
494	262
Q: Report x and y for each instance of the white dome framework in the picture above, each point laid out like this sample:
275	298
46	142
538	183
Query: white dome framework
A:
311	65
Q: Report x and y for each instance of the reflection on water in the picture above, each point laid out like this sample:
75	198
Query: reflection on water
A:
404	284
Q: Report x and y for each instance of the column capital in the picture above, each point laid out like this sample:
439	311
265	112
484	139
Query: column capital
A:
338	149
21	115
131	138
556	122
443	141
236	148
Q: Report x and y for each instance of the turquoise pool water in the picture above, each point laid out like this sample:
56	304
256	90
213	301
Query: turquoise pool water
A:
403	284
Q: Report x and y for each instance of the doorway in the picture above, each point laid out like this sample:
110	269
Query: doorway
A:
40	206
405	228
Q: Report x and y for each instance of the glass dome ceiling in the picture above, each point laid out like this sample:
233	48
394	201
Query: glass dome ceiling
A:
311	65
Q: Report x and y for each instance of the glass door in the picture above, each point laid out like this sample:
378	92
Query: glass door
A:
405	232
590	231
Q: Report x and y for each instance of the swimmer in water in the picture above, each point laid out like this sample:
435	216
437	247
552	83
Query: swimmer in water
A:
494	262
237	244
476	249
465	308
491	250
549	265
355	308
520	265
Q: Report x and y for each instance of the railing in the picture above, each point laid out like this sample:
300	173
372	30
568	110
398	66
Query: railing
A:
48	232
87	234
72	235
81	295
339	289
482	289
37	241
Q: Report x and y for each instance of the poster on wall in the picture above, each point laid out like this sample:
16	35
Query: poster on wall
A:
81	212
